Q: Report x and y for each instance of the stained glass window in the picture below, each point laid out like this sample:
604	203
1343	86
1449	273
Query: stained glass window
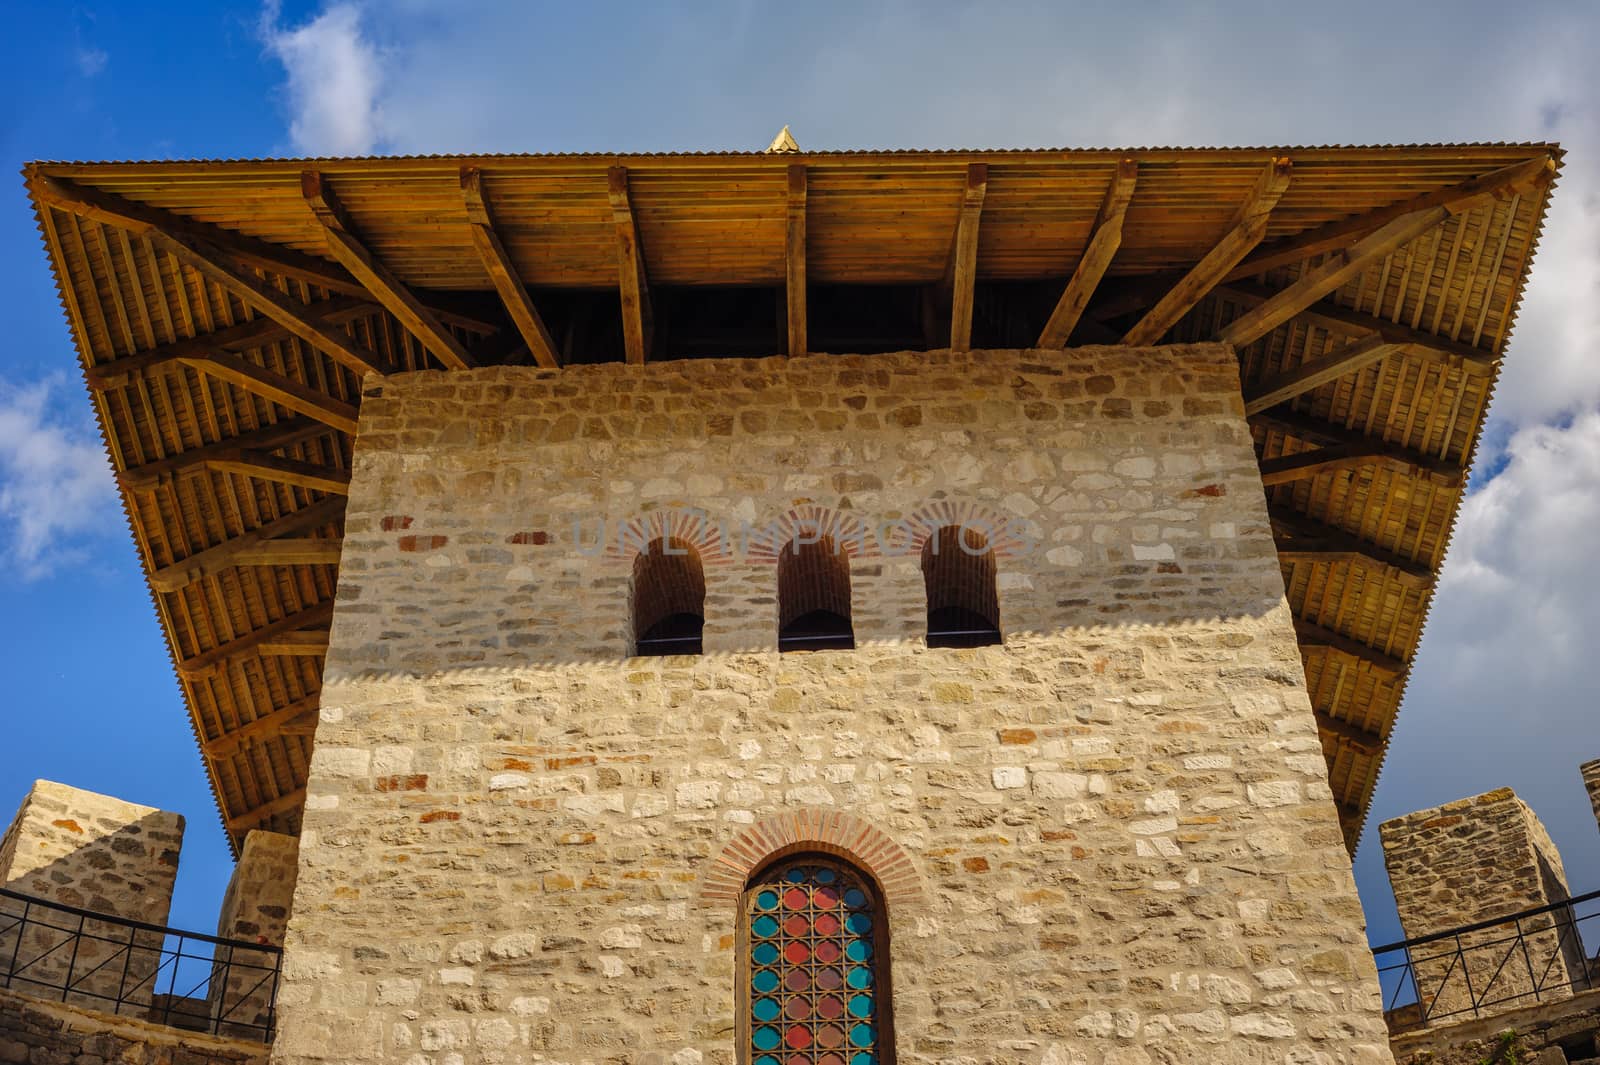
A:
814	991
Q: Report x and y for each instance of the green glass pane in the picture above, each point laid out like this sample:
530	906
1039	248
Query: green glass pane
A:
859	978
767	900
860	1057
858	950
825	876
764	927
767	954
768	1059
855	898
765	982
766	1009
863	1035
766	1039
860	1006
858	923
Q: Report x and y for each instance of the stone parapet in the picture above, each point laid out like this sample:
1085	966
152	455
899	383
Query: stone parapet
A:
37	1032
93	852
1591	783
255	909
1475	860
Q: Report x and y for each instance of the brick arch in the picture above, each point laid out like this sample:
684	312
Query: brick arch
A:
1004	533
812	521
693	527
824	831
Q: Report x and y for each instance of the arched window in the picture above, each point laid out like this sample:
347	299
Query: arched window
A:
815	983
669	599
959	571
814	596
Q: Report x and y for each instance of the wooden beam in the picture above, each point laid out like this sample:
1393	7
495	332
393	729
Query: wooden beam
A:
345	246
503	272
311	616
1248	226
110	209
633	282
256	333
1329	276
286	433
794	256
1361	739
1376	450
291	552
964	257
263	727
1316	372
266	467
1304	465
283	804
285	391
1105	237
211	560
1303	539
303	643
1336	319
211	263
1313	635
1475	192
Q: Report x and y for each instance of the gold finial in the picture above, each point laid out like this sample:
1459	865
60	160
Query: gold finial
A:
783	142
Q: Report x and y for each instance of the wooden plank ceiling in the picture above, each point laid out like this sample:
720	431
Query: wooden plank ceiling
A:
224	313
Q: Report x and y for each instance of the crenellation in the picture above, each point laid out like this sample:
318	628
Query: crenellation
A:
513	830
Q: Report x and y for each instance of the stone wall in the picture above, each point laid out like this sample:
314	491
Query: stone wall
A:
255	909
1474	860
1548	1033
1109	840
97	853
1591	781
36	1032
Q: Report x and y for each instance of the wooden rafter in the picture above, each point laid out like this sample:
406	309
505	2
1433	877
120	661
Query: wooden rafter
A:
638	322
1464	196
311	616
283	804
1329	276
1105	237
263	727
1363	740
291	552
1303	465
1314	635
1244	232
286	392
142	219
794	257
503	272
194	461
252	334
1414	342
302	643
1330	438
211	560
1313	373
263	466
346	246
1303	539
963	272
211	263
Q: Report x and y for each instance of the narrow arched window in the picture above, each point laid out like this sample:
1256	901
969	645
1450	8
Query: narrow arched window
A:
815	979
959	571
814	596
669	599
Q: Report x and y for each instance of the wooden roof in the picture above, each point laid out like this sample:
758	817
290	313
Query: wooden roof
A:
224	312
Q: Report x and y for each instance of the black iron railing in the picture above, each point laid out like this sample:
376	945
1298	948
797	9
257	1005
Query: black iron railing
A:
1537	955
184	979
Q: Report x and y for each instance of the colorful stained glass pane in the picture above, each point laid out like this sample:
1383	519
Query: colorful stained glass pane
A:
813	996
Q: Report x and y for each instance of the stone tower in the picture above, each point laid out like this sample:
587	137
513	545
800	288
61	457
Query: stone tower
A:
1109	832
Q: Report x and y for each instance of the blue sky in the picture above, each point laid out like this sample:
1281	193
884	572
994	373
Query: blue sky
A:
1504	692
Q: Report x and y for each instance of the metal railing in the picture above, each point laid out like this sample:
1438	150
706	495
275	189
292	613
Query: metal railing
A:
94	960
1481	969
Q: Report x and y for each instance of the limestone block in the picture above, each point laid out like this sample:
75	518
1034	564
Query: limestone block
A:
255	909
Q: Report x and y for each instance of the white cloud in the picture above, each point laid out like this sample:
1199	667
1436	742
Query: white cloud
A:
56	489
335	76
91	61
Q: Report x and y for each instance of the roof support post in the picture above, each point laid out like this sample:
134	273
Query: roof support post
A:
286	433
291	553
964	257
503	272
633	281
186	571
250	462
795	259
1104	239
389	290
317	614
1329	437
286	392
266	725
1248	226
1313	373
